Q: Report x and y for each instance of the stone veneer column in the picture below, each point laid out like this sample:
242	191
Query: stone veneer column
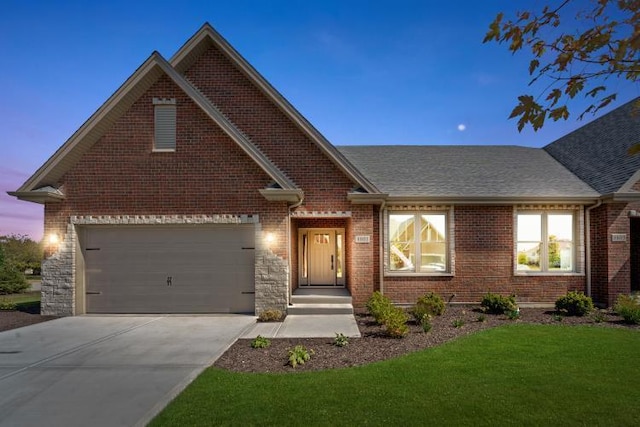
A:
58	278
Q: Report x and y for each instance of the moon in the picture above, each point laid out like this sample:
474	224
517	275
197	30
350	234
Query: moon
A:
462	127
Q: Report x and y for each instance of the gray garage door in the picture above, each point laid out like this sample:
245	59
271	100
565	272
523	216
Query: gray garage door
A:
151	269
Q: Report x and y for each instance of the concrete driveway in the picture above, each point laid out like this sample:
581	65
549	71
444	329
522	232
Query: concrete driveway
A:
106	370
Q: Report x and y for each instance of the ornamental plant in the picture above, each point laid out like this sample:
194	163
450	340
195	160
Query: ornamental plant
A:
574	304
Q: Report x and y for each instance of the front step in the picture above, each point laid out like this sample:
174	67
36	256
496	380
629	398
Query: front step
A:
320	309
320	301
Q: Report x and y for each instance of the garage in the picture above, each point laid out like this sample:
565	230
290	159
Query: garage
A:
169	269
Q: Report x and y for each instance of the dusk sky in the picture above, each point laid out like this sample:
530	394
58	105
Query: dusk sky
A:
362	72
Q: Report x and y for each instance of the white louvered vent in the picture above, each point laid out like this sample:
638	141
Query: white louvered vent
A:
165	124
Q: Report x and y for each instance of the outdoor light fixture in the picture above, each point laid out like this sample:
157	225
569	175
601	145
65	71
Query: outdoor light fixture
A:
53	239
270	238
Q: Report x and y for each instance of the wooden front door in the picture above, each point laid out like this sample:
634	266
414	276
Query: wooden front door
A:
322	257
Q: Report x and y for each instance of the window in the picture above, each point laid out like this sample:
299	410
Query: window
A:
545	242
418	243
164	124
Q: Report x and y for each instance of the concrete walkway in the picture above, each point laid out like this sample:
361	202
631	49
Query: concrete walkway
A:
307	326
106	370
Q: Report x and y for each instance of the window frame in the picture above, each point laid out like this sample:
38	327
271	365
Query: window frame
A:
576	243
448	215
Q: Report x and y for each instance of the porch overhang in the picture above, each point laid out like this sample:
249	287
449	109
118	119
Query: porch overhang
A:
282	195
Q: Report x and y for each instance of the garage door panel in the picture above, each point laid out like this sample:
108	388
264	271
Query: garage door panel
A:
128	269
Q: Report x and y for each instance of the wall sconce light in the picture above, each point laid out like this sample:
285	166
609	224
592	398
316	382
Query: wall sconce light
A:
269	238
53	239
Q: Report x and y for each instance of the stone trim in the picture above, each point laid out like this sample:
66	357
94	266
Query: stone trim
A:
59	270
321	214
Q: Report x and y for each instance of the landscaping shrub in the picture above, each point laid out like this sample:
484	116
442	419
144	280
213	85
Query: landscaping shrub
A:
299	355
12	281
341	340
270	316
574	303
7	304
395	323
628	308
498	304
379	306
260	342
430	304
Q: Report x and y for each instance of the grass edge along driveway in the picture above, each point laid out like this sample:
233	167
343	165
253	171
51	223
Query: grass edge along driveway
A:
515	374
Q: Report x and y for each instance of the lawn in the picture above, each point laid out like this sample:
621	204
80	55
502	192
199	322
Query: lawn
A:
515	374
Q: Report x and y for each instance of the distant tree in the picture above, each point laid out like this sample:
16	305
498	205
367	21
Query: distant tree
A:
575	50
12	280
22	252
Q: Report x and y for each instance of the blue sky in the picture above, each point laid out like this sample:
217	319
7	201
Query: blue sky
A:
363	72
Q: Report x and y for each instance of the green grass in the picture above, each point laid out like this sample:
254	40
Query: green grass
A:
26	301
516	374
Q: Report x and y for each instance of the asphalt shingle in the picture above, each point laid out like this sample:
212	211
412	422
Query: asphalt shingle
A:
465	171
598	151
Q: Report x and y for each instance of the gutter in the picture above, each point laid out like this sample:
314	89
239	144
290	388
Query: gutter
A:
587	214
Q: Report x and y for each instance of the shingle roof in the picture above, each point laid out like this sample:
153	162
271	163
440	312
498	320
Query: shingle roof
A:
597	152
466	172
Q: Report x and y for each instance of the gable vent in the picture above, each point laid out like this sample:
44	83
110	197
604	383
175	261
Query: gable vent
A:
165	124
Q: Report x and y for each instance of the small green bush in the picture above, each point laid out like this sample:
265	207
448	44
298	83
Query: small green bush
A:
558	317
396	323
430	304
299	355
498	304
271	316
598	316
628	308
380	307
260	342
12	281
513	314
574	304
7	304
457	323
482	318
426	323
341	340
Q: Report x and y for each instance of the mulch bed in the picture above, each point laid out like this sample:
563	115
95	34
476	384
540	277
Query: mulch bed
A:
17	319
375	346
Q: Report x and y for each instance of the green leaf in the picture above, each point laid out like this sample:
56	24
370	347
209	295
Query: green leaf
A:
533	65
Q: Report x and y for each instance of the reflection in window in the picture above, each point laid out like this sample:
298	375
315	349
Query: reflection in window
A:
417	243
545	242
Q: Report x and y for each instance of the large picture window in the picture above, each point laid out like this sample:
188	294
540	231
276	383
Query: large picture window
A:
545	242
418	242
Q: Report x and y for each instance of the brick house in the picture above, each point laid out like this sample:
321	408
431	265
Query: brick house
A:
197	187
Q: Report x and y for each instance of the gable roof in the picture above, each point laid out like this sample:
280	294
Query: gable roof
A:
208	36
598	151
49	174
468	173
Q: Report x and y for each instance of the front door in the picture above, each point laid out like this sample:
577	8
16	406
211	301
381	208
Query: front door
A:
322	257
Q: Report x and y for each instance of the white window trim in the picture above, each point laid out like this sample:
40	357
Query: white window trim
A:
578	238
450	240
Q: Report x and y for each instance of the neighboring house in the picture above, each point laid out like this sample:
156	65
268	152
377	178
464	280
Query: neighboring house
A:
197	187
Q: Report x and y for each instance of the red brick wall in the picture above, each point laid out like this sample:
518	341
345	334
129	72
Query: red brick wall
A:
208	173
484	249
611	268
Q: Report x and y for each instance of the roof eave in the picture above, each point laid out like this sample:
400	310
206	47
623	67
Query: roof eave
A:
367	198
282	195
621	197
485	200
40	197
